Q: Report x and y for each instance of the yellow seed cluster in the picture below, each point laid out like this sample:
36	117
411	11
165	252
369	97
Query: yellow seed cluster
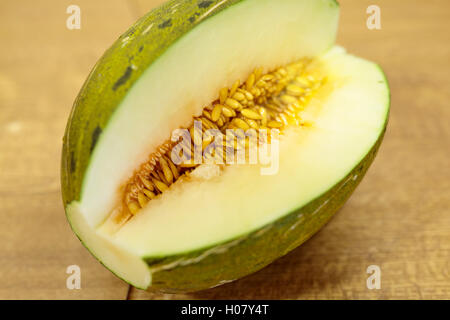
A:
263	101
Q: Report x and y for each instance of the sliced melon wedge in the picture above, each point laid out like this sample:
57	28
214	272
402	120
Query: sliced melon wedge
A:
224	222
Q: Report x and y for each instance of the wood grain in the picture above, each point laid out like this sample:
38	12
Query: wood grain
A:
399	218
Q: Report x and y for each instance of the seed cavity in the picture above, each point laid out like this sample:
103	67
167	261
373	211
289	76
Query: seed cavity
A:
264	101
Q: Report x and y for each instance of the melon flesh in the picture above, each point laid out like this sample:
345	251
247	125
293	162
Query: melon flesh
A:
222	49
347	117
344	125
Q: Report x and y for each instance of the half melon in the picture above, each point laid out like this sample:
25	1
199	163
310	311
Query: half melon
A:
162	221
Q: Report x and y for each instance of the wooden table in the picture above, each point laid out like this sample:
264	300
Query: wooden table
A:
398	219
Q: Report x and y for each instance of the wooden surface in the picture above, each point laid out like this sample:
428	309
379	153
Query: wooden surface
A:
398	219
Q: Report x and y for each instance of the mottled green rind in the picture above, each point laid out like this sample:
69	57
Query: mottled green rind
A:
115	73
252	252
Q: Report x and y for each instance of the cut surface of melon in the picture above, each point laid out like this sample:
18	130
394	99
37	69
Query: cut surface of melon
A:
346	118
344	124
220	50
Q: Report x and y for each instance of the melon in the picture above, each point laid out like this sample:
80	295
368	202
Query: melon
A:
216	136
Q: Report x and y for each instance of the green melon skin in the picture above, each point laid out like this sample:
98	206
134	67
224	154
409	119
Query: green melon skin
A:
105	88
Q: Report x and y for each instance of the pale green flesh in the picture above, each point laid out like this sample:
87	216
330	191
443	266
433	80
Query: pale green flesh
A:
189	76
347	122
196	214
